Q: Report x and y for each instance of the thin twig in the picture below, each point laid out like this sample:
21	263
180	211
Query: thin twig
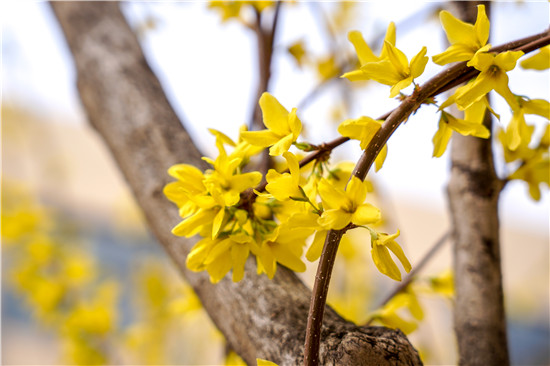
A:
409	105
412	274
265	39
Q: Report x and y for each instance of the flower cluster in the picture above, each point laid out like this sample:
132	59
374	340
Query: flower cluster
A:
236	220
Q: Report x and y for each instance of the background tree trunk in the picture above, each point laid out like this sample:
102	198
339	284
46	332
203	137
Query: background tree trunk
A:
474	190
125	103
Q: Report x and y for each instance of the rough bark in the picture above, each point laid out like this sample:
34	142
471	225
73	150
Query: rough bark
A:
474	191
126	105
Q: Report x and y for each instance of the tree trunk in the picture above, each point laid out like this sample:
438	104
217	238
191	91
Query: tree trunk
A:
474	191
125	103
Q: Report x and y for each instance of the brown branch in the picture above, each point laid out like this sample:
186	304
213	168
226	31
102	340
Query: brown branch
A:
126	105
438	84
265	39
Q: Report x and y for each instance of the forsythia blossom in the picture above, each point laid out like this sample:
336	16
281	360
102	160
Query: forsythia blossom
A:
283	128
465	39
391	68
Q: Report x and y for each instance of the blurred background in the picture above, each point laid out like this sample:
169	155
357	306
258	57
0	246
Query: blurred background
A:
83	281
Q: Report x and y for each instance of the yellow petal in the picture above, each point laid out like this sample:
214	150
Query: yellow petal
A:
219	268
398	59
217	223
456	30
398	251
454	53
482	26
356	191
282	145
356	75
262	138
294	124
507	60
366	214
334	219
261	362
379	161
418	63
441	139
383	72
364	53
539	61
239	255
473	92
402	84
197	255
193	224
539	107
384	262
275	116
316	248
242	182
331	197
287	258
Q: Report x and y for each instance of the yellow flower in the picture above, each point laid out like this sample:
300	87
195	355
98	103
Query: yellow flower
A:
394	69
492	77
297	50
190	184
365	54
344	207
284	186
539	61
389	316
227	179
443	284
283	128
380	255
219	256
517	130
467	127
362	129
534	172
284	246
327	68
465	39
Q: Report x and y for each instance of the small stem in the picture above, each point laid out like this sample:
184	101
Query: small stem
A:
412	274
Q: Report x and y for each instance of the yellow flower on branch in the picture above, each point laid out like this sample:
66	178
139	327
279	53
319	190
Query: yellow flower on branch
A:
492	77
362	129
380	255
345	207
365	54
467	127
391	68
287	185
283	128
389	316
465	39
285	246
517	130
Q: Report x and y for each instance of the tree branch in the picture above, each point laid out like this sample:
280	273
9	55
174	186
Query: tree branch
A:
125	103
